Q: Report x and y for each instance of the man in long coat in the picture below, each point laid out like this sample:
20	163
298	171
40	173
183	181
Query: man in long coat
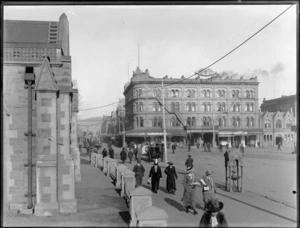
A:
111	152
139	171
123	154
155	174
104	153
171	178
189	192
189	161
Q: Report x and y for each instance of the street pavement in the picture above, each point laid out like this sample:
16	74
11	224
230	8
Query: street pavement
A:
99	204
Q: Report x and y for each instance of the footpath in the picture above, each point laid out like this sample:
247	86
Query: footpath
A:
99	204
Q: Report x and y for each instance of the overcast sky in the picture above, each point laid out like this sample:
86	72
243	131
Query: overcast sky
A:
174	41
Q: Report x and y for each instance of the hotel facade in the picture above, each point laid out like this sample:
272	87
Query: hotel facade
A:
213	110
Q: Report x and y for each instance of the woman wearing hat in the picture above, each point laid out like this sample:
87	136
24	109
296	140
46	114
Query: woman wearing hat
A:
171	181
188	198
213	217
155	174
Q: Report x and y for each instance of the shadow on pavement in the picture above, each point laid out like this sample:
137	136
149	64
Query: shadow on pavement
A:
199	206
125	216
175	204
220	186
163	189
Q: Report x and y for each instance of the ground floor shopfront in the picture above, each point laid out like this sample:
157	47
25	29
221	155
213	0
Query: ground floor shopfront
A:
232	137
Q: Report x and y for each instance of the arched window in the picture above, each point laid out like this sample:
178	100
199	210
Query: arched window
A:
155	121
247	107
189	93
204	121
247	93
173	107
172	122
238	107
189	121
177	108
140	92
265	138
268	138
233	121
204	93
247	121
141	122
141	106
234	107
238	122
208	93
208	107
267	124
251	107
154	107
288	123
209	121
177	93
252	122
193	107
278	124
251	93
136	107
159	122
233	93
271	138
194	121
189	107
220	122
137	121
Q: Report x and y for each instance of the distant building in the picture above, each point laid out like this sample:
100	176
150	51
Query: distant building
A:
41	158
231	105
278	120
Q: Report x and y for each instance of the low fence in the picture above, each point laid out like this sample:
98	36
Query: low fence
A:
139	200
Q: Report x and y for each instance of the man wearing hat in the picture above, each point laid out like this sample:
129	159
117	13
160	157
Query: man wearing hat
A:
208	186
189	192
139	171
213	217
171	178
155	174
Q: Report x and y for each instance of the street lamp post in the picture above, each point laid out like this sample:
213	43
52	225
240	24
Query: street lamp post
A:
164	122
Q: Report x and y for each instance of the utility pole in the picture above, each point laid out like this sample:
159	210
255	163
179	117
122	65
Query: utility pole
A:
164	122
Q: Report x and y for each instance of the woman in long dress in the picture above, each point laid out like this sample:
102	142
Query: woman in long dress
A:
188	198
170	171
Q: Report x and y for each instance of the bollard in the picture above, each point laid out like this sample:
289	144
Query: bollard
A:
119	169
152	216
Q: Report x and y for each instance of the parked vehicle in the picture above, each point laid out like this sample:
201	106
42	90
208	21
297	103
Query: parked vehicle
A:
151	152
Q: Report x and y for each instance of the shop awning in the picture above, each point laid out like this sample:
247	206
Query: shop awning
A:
154	132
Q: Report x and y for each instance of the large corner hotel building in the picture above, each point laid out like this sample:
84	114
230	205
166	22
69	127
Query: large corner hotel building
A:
231	105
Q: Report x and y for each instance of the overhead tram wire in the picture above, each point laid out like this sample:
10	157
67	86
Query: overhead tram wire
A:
203	69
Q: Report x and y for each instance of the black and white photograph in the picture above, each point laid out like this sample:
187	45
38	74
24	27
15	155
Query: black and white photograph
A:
133	114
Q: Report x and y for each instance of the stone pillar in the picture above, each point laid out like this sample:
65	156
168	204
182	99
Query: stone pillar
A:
93	159
46	165
243	140
111	164
140	198
128	182
152	217
105	163
256	141
74	143
120	168
99	161
66	184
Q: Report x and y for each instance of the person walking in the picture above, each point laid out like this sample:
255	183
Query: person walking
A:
208	187
123	155
130	155
135	151
139	171
104	153
155	175
170	171
111	152
279	146
189	161
213	217
189	191
173	147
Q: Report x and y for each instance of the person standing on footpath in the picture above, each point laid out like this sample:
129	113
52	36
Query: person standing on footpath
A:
189	191
139	171
135	151
213	217
189	161
155	174
123	155
173	147
130	155
279	146
170	171
104	153
208	187
111	153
